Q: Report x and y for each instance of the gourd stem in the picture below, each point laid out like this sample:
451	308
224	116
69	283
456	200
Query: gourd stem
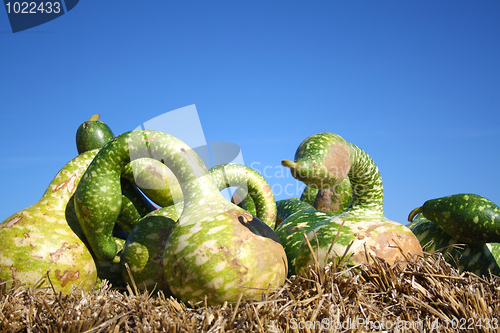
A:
288	164
95	117
413	213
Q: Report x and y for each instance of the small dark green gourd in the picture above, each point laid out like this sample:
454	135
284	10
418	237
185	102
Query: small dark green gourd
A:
467	217
217	250
92	134
324	160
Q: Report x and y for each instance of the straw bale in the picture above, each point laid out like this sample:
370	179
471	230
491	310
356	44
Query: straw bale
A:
422	294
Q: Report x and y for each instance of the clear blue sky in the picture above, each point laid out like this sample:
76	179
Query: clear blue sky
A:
416	84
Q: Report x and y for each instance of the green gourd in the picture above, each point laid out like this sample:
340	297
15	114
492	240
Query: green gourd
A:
309	194
287	207
290	232
161	186
467	217
217	250
45	238
155	180
92	134
325	159
144	248
145	245
242	199
244	177
134	206
480	259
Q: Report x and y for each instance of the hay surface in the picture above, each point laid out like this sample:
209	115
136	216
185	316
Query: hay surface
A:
419	295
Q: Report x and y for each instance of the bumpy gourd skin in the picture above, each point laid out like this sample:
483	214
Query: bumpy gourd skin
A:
44	237
217	249
480	259
364	223
470	218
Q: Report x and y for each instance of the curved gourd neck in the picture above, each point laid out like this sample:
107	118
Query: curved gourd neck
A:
366	182
197	185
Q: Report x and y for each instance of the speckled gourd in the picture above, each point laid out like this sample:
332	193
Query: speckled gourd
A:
480	259
144	249
155	180
161	186
325	159
217	249
287	207
467	217
45	238
145	245
333	200
309	194
92	134
242	199
290	232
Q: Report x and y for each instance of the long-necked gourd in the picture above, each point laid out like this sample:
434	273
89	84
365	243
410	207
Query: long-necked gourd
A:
94	134
44	238
161	186
480	259
467	217
145	244
325	159
217	250
155	180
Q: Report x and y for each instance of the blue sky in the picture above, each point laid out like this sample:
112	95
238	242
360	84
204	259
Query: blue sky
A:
413	83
